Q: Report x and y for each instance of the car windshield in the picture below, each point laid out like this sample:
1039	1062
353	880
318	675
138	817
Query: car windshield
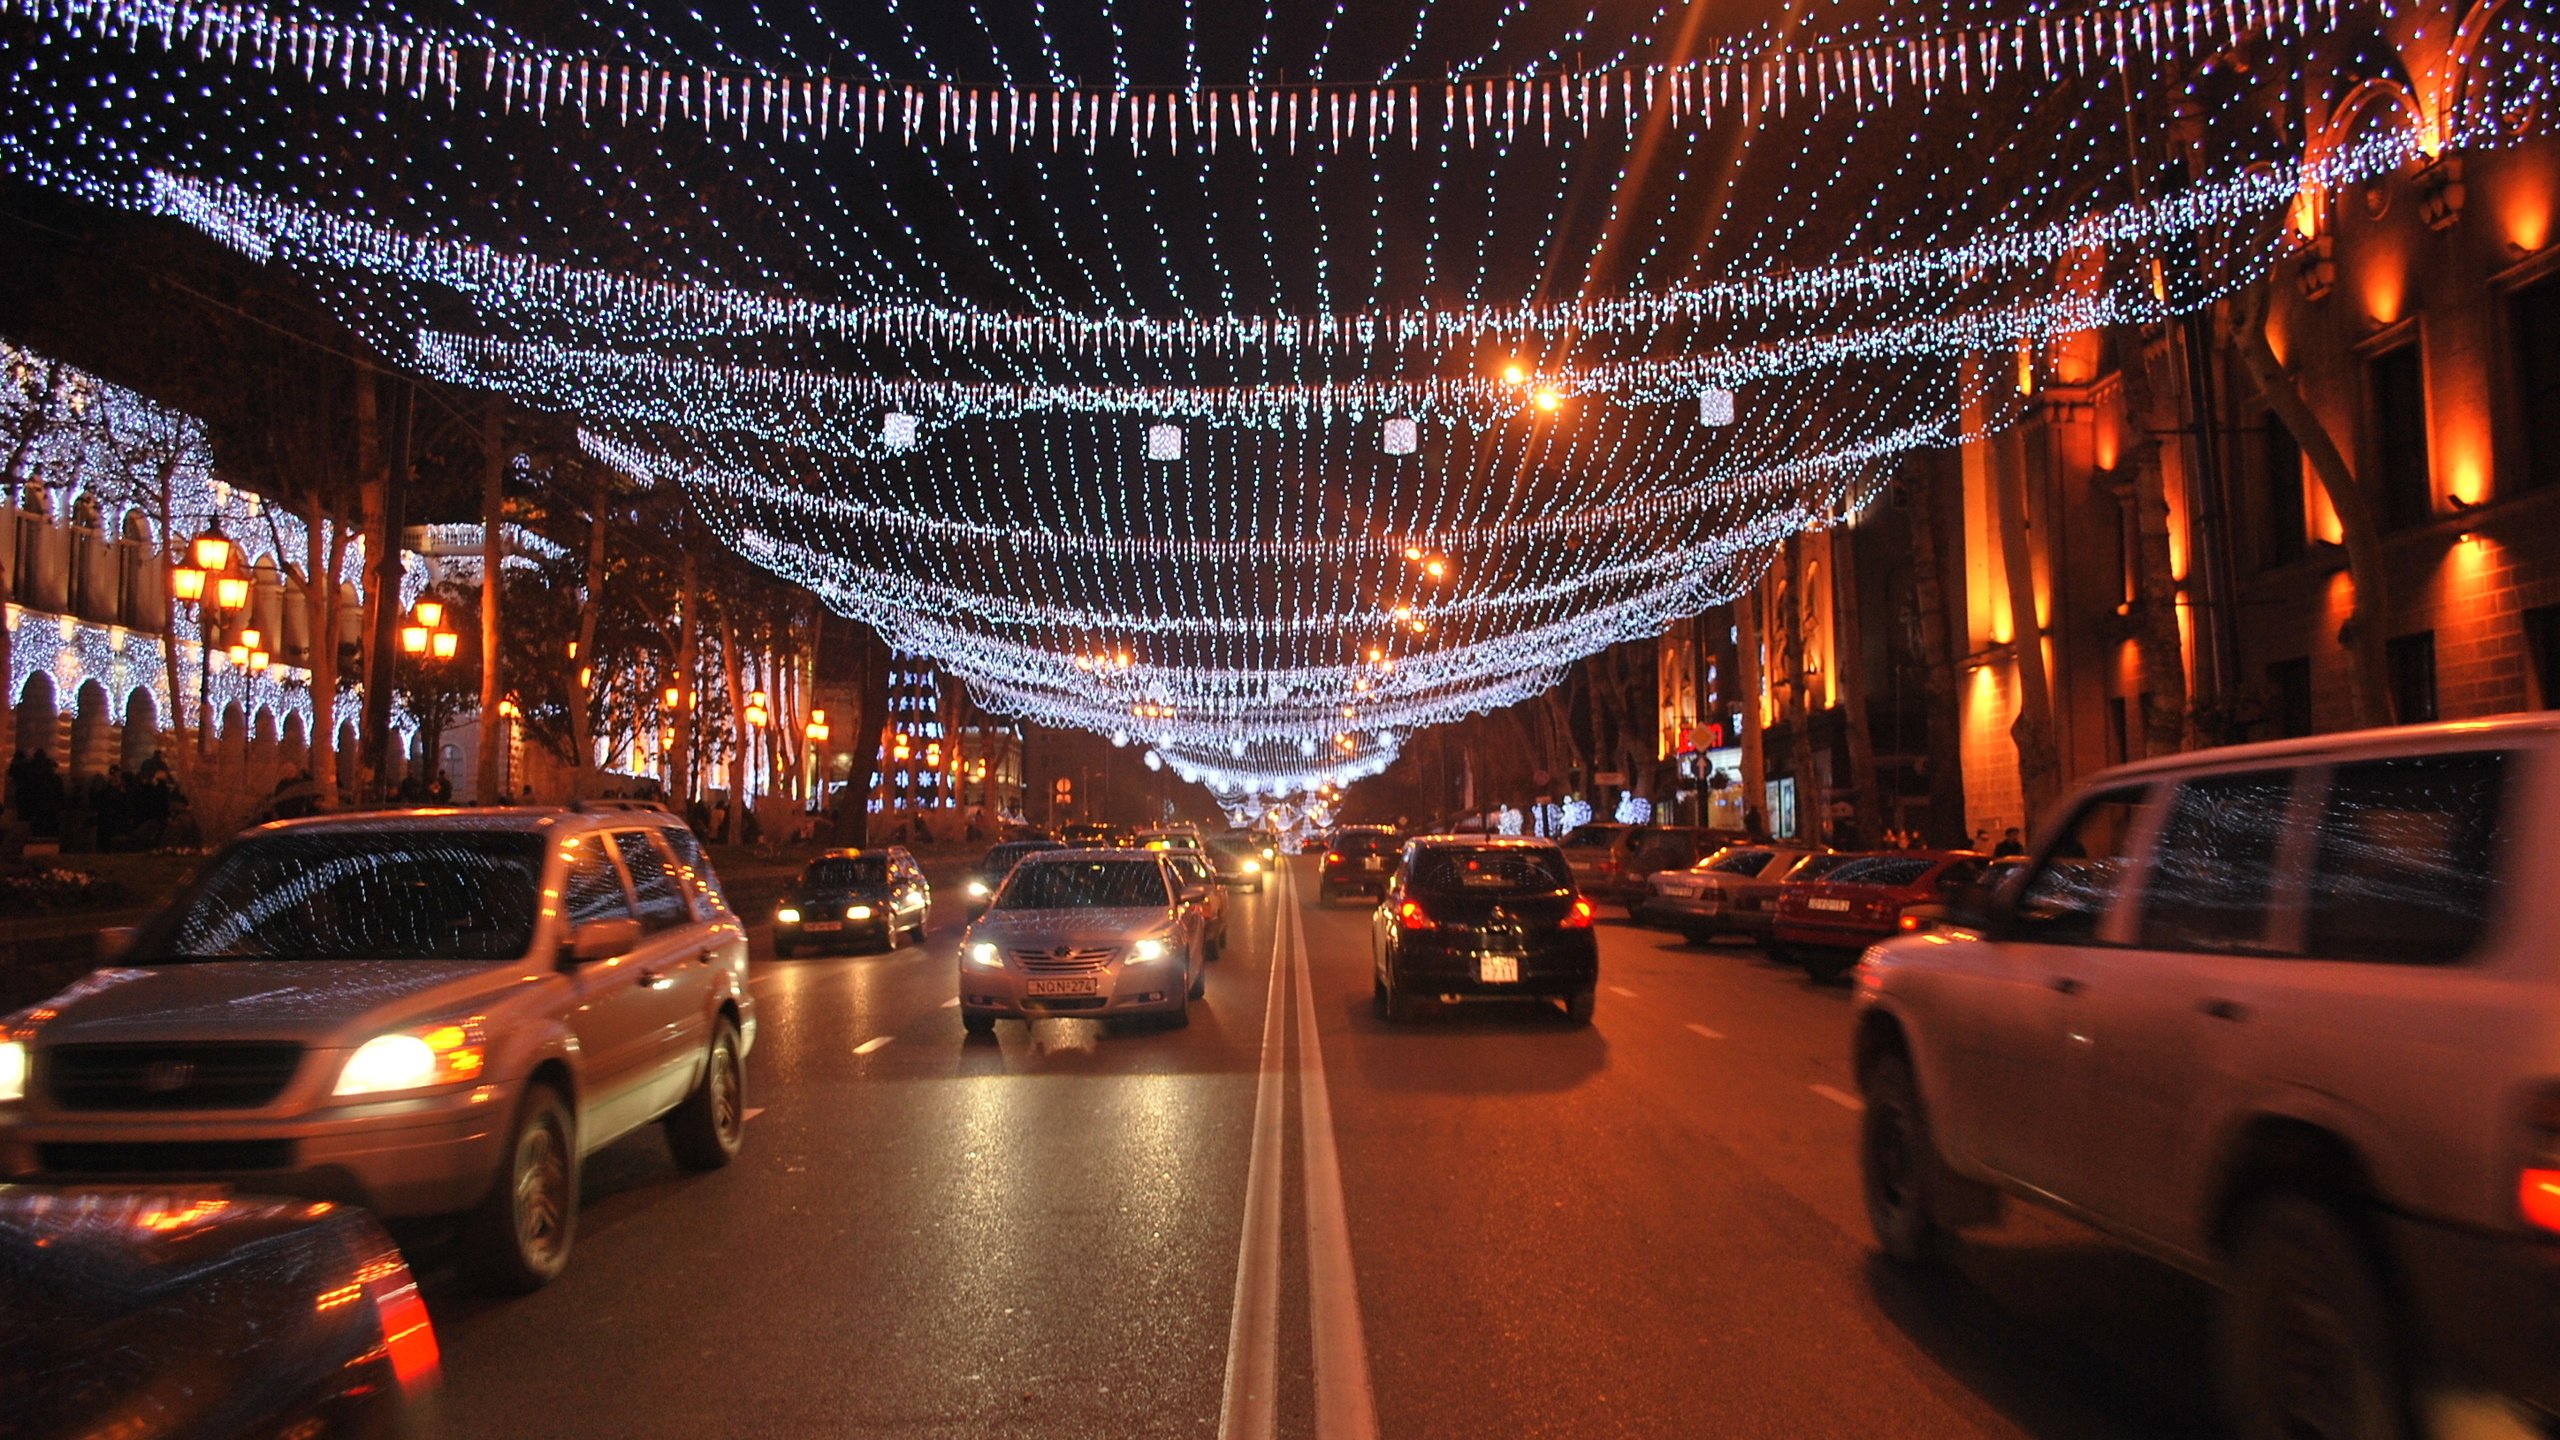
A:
1593	837
843	872
359	895
1085	885
1491	869
1883	870
1740	862
1235	845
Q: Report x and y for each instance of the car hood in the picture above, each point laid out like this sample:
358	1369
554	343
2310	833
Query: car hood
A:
1033	929
304	1000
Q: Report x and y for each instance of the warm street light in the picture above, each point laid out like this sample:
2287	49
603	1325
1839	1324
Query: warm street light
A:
446	643
213	552
430	613
413	638
230	592
187	583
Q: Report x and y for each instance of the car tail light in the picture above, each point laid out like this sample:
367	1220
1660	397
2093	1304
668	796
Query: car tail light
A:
2538	1185
1579	917
408	1336
1333	857
1411	916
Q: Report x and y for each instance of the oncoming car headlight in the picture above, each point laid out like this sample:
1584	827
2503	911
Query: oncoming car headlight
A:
857	912
414	1059
977	889
786	916
1147	950
1253	867
986	956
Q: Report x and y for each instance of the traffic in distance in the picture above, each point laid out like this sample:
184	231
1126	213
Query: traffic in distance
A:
2278	1018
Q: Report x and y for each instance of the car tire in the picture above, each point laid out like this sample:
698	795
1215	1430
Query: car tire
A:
1324	893
2307	1342
1829	967
1400	1008
785	950
1899	1166
1200	982
977	1022
924	927
519	1239
1378	993
1179	1017
1579	1005
708	1129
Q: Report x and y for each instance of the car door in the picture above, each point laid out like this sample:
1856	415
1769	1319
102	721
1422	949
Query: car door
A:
2208	899
672	974
615	1045
2005	1011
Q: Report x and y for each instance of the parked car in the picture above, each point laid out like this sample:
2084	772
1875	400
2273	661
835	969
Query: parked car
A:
1194	872
198	1313
1102	933
423	1013
2288	1016
1590	846
1731	892
1824	926
1470	918
1168	837
1357	861
877	895
1624	875
997	863
1243	859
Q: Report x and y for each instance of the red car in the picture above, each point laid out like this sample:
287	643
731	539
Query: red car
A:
1827	925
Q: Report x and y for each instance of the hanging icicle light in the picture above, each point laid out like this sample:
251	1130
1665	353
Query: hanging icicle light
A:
1402	435
1715	408
1164	442
898	432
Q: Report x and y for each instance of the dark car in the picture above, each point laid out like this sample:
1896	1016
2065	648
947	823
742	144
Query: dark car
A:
1624	875
168	1313
1089	835
878	895
1242	859
1826	925
1467	918
1357	861
988	874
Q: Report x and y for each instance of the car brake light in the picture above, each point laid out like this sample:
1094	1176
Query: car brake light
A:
1410	915
1333	857
1909	922
1579	917
408	1336
2538	1186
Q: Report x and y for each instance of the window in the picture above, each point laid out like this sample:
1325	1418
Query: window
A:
696	872
594	890
2288	527
429	894
2290	682
1500	870
2399	381
2214	870
2542	649
2071	891
2407	850
2534	322
1741	862
2119	731
654	892
2412	662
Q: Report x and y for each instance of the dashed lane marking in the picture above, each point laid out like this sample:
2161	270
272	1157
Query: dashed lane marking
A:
951	1004
874	1043
754	1110
1703	1032
1622	990
1841	1098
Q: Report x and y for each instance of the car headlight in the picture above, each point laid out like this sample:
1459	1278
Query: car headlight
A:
1147	950
857	912
977	889
1253	867
786	916
986	956
13	1069
415	1059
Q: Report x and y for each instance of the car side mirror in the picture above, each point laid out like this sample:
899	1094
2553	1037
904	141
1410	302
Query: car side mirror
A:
603	939
1194	893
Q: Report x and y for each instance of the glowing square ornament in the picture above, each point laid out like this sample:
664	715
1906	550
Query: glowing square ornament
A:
1403	436
1164	442
1715	407
898	432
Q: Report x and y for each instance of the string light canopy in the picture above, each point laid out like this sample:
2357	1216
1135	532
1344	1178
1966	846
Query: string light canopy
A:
1254	388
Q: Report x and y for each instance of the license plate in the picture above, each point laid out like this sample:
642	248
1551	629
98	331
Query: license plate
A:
1064	985
1373	863
823	927
1824	904
1498	969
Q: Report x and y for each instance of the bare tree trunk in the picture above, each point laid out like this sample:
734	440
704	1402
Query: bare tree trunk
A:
325	540
1848	666
582	738
2162	649
1797	615
2366	565
740	734
1753	739
2039	759
688	662
382	606
1945	718
493	552
173	545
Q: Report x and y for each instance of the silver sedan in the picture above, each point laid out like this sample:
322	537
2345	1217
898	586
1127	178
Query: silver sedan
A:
1097	933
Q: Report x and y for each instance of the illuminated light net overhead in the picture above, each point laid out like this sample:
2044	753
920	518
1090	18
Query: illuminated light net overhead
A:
1077	350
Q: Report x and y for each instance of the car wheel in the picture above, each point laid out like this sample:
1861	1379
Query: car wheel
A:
1697	937
1179	1017
784	950
1324	893
708	1130
1398	1007
518	1240
977	1022
1827	967
1579	1005
2307	1342
1378	993
1200	982
1898	1164
924	927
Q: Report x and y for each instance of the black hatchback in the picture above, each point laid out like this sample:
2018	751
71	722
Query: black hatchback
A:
1357	860
878	895
1467	918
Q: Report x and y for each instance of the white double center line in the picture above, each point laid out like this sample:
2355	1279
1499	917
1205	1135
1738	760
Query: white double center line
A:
1344	1406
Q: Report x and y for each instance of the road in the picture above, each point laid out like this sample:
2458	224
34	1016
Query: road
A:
1487	1224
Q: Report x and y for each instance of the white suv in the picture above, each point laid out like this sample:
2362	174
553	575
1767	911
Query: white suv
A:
2288	1016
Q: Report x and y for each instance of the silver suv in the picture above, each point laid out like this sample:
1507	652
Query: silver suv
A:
426	1014
2285	1015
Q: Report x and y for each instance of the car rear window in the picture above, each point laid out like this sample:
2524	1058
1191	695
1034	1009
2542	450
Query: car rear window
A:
2405	871
1493	870
1882	870
846	871
2213	872
359	895
1592	837
1364	844
1742	862
1085	885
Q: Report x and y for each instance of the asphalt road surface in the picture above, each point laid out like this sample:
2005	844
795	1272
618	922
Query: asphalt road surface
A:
1291	1220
